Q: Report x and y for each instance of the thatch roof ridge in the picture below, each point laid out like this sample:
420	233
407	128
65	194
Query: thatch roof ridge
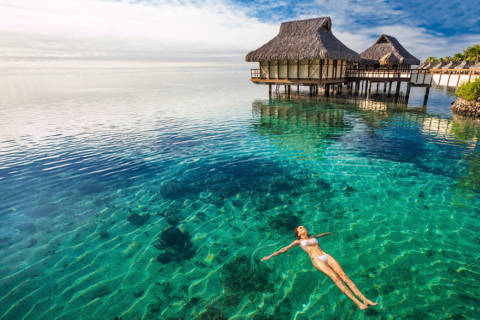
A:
475	66
425	65
387	44
389	58
304	39
464	65
451	65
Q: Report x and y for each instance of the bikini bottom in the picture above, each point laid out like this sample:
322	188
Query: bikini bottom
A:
323	257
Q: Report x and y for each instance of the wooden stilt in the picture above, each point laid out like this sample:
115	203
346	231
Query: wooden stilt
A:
397	90
408	92
425	98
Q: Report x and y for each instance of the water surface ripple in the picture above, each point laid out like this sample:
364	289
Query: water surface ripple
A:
96	165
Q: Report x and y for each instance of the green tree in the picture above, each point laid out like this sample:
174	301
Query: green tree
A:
431	59
458	57
472	53
469	90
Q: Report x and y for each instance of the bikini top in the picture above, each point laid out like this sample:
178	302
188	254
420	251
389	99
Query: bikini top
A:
308	242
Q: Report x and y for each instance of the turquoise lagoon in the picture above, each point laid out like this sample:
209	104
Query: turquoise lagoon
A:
96	163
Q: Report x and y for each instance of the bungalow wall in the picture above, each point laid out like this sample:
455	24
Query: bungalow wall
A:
273	69
293	69
303	69
264	69
283	69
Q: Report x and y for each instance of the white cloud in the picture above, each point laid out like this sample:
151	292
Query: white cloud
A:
96	28
173	30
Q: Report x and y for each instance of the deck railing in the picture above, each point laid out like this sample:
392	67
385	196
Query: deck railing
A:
444	77
254	73
378	73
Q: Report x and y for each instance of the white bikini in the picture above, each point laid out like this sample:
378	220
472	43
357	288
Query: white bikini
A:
314	241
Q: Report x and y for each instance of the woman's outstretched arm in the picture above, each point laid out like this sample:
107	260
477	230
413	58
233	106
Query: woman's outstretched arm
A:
322	234
276	253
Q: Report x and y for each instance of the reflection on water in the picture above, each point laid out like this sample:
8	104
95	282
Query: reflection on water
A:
155	195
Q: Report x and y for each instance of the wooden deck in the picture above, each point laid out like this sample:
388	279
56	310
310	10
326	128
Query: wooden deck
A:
377	75
301	82
255	77
351	75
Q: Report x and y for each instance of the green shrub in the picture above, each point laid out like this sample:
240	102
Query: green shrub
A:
470	90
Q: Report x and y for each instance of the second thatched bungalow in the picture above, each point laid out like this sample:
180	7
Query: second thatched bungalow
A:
387	51
305	52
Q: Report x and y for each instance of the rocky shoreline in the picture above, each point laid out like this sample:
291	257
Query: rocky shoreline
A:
466	108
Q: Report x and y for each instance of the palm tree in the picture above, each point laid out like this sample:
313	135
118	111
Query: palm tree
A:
458	57
472	53
431	59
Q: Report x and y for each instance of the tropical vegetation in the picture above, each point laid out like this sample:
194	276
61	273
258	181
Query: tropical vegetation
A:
471	53
469	90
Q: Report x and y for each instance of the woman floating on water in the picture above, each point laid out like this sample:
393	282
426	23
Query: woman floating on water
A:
325	263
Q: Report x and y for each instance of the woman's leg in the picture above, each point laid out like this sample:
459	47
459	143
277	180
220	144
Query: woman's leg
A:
325	268
339	270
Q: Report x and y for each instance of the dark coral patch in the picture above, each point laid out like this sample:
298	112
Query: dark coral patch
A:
137	219
241	275
176	245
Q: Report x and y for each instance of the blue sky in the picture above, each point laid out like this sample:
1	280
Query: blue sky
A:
444	17
173	31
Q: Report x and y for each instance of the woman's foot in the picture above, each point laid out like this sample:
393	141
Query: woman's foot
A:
370	302
362	306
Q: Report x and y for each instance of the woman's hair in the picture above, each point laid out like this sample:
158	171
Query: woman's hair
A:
296	233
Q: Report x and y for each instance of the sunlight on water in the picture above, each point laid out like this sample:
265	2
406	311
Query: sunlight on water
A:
153	194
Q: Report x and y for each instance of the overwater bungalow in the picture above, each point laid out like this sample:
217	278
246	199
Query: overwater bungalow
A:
305	52
387	51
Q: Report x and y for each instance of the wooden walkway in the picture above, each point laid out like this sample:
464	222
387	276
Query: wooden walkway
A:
443	77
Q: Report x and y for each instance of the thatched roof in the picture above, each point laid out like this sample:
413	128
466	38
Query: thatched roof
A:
422	65
389	58
451	65
464	65
304	39
386	44
438	65
425	66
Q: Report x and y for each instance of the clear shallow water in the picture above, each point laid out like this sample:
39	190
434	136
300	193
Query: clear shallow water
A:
81	151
